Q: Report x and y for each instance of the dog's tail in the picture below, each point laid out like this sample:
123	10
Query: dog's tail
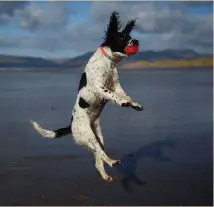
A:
51	134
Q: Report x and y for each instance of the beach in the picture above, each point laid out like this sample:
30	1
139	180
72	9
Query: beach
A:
166	150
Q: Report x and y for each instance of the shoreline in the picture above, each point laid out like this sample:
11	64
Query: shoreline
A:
71	69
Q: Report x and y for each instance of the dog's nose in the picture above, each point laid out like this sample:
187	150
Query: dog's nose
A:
135	42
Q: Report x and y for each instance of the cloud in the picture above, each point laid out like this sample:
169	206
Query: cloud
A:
75	38
52	16
197	3
159	26
10	7
7	10
168	25
151	17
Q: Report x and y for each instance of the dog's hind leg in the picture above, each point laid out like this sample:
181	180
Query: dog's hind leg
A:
95	147
98	132
99	164
84	135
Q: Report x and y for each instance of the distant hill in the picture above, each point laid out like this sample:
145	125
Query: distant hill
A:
7	61
79	60
170	63
19	61
146	55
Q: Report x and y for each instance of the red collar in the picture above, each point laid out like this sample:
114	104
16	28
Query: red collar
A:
115	60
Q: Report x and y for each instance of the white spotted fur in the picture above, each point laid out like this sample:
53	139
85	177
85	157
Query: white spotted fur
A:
102	84
101	76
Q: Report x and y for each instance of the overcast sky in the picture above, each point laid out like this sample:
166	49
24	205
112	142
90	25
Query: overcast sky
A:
66	29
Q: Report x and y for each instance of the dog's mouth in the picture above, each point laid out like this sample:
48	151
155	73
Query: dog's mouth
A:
132	47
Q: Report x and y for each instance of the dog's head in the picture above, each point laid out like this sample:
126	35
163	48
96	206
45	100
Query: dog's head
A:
120	41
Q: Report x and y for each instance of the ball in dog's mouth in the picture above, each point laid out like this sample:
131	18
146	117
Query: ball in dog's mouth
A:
131	49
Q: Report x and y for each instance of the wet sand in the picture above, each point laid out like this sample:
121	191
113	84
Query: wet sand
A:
166	150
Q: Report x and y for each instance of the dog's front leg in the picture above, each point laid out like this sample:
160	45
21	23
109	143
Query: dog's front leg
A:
110	95
96	77
120	92
118	89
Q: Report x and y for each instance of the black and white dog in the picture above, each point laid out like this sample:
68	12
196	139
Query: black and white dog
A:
99	84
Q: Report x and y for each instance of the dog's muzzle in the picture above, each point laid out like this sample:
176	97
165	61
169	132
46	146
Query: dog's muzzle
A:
132	48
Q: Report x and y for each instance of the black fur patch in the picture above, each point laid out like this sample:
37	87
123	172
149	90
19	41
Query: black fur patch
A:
83	81
114	38
83	104
129	27
63	131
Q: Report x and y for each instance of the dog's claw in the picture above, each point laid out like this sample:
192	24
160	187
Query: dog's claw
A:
137	107
110	179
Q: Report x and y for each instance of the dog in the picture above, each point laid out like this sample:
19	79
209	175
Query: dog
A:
99	84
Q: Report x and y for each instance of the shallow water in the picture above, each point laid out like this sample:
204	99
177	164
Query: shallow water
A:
166	150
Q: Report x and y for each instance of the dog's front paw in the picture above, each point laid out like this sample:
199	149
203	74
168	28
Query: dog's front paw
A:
115	163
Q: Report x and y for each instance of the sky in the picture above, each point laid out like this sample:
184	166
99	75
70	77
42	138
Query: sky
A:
66	29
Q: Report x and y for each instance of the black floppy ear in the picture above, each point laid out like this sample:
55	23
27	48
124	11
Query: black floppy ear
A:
129	26
114	23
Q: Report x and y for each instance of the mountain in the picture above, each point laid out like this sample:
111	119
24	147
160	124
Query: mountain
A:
81	60
19	61
146	55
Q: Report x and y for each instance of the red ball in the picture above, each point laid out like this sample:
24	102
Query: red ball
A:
131	49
